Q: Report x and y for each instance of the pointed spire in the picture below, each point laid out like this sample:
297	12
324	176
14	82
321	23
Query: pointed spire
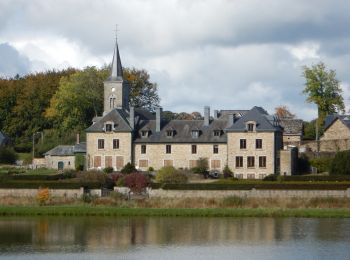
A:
116	68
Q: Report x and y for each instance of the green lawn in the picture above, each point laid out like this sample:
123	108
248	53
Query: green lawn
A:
167	212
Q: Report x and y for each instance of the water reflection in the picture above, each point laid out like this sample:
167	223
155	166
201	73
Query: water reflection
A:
93	233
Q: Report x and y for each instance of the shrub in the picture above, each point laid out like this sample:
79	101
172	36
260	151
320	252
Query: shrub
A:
43	196
150	169
341	164
115	176
227	172
323	164
68	174
108	170
92	176
136	182
271	177
79	162
7	155
169	174
128	168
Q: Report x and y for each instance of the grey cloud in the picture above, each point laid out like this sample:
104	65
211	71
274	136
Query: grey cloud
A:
11	62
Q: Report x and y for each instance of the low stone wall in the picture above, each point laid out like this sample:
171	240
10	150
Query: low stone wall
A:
327	145
160	193
68	193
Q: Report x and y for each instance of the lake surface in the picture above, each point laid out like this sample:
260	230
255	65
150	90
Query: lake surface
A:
173	238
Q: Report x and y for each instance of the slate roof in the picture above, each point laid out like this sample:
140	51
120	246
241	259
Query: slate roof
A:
182	129
120	118
264	121
345	119
182	132
67	150
292	126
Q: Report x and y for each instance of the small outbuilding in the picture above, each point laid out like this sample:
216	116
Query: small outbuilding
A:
62	157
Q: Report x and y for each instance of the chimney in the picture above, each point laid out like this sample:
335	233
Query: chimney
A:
216	114
78	138
206	115
132	117
158	118
231	119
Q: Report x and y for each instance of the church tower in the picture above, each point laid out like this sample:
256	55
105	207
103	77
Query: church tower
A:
116	89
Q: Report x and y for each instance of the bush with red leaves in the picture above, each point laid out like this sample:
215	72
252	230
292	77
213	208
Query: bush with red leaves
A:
136	181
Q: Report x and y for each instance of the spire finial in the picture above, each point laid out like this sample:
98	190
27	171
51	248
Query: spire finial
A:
116	67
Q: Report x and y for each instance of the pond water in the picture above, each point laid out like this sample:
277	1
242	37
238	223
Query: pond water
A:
173	238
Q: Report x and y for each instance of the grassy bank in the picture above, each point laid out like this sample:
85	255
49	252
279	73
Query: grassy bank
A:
85	210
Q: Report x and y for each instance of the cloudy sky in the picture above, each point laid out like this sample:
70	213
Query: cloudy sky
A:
226	54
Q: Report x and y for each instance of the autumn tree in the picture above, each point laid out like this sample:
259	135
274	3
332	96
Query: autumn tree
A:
143	92
323	88
283	112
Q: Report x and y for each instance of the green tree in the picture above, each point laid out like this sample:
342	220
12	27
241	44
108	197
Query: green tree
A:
341	164
78	99
323	89
143	92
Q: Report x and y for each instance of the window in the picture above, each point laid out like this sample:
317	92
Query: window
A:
194	149
97	161
251	161
144	133
108	161
112	102
115	143
262	176
251	176
258	143
169	133
243	143
168	148
215	164
195	133
108	127
239	175
143	149
262	161
193	163
168	162
239	161
101	143
217	132
119	162
250	127
215	148
143	163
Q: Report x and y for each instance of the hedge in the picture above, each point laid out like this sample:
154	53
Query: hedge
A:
48	184
316	178
249	186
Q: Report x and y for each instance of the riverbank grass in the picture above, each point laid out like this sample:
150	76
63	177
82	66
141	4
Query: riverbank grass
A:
170	212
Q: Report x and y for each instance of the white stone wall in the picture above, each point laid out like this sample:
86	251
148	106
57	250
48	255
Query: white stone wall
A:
181	154
268	150
92	148
160	193
52	161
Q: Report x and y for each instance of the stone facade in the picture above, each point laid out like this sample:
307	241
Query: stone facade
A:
267	150
68	162
108	156
181	155
336	131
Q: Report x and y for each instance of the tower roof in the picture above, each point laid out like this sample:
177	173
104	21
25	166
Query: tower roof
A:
116	68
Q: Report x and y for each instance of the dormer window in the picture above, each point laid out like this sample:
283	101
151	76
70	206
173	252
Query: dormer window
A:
250	126
170	133
217	133
144	133
108	127
195	133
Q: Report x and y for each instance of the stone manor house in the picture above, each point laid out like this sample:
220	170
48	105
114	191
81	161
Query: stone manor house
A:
250	142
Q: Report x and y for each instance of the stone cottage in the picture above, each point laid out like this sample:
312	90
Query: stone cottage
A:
248	141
